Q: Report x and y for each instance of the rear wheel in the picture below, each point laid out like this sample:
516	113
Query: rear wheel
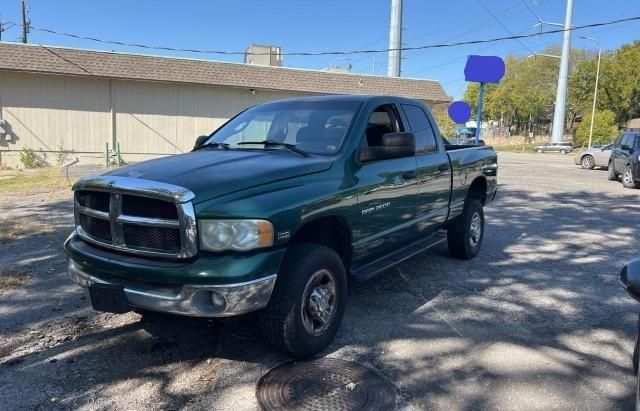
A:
587	162
627	178
611	173
308	301
465	235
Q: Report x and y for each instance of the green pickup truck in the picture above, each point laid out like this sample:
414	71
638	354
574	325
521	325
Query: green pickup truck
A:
276	211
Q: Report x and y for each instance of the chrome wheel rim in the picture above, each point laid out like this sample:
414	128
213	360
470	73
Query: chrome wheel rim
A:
627	177
587	162
475	230
319	302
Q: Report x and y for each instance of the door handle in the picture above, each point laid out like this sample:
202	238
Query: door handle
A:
410	175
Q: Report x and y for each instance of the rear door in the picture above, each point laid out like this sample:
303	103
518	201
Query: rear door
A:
434	171
387	193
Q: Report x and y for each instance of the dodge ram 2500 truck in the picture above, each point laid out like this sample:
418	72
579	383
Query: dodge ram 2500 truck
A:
276	211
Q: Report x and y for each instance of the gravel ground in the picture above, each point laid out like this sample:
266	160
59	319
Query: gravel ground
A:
536	321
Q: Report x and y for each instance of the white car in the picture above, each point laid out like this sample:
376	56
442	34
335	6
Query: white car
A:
594	157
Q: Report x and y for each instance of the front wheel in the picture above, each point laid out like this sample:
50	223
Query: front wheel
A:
465	236
563	151
611	173
587	162
627	178
539	150
307	303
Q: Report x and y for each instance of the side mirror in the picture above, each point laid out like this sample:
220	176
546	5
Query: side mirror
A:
624	147
394	145
630	278
200	140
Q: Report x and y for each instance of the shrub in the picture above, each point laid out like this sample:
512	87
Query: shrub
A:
604	129
31	159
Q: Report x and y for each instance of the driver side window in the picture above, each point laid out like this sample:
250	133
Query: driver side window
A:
383	120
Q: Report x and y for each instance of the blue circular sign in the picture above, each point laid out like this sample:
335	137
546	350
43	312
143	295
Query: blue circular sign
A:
459	112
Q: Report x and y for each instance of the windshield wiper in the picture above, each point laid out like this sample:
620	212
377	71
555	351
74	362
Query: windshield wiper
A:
213	144
266	143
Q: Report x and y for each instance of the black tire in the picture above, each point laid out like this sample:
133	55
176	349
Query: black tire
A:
281	322
611	173
459	234
627	178
563	151
588	162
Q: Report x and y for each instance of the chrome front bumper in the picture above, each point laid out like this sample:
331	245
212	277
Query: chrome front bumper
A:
190	300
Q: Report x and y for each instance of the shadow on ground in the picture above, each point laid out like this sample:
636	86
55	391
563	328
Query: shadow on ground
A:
537	320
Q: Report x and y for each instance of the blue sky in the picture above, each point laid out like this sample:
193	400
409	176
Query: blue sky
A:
299	25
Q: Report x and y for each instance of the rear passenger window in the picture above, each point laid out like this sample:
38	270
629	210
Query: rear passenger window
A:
421	127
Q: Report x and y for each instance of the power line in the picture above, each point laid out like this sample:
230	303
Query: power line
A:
341	52
483	25
502	24
533	13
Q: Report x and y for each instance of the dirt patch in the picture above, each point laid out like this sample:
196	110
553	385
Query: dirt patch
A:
10	279
12	229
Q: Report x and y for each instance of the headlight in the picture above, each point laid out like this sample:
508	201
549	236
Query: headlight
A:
240	235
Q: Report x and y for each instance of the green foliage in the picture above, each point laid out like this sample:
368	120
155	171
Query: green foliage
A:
445	124
31	159
604	129
529	87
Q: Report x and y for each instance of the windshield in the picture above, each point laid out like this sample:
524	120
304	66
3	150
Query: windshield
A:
316	127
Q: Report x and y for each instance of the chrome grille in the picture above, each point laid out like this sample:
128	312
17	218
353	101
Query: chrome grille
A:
117	218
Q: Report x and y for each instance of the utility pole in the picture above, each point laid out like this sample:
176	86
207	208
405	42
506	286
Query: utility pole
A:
395	39
25	23
561	93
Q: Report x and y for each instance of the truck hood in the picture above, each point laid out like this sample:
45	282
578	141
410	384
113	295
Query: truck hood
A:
214	173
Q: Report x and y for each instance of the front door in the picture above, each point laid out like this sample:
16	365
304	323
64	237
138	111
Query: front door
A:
387	193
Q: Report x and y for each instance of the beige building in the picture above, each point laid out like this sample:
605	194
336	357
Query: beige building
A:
79	100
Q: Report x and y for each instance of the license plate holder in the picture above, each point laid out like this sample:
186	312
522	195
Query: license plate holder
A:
109	298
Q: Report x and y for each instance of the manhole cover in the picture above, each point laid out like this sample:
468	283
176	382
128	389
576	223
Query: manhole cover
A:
324	384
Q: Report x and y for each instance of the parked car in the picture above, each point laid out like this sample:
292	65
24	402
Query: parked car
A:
596	156
625	159
562	148
630	280
276	211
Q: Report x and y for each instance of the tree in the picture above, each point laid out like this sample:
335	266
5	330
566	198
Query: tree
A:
604	129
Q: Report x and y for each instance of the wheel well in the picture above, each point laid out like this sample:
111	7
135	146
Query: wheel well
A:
330	231
585	155
478	190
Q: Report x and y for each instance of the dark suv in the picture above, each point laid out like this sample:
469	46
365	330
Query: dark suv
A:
625	159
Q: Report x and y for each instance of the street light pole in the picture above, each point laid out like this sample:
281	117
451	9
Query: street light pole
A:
595	90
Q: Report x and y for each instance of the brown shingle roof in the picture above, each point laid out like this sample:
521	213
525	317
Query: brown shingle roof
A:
55	60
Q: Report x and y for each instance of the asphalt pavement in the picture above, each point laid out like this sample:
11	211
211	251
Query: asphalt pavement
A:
536	321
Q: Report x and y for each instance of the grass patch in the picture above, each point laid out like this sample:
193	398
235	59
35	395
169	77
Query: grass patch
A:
516	148
10	279
32	181
12	229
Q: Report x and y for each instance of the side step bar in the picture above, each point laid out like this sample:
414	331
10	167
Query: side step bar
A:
389	261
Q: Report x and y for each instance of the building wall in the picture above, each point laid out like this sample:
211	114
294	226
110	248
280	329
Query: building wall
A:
147	119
